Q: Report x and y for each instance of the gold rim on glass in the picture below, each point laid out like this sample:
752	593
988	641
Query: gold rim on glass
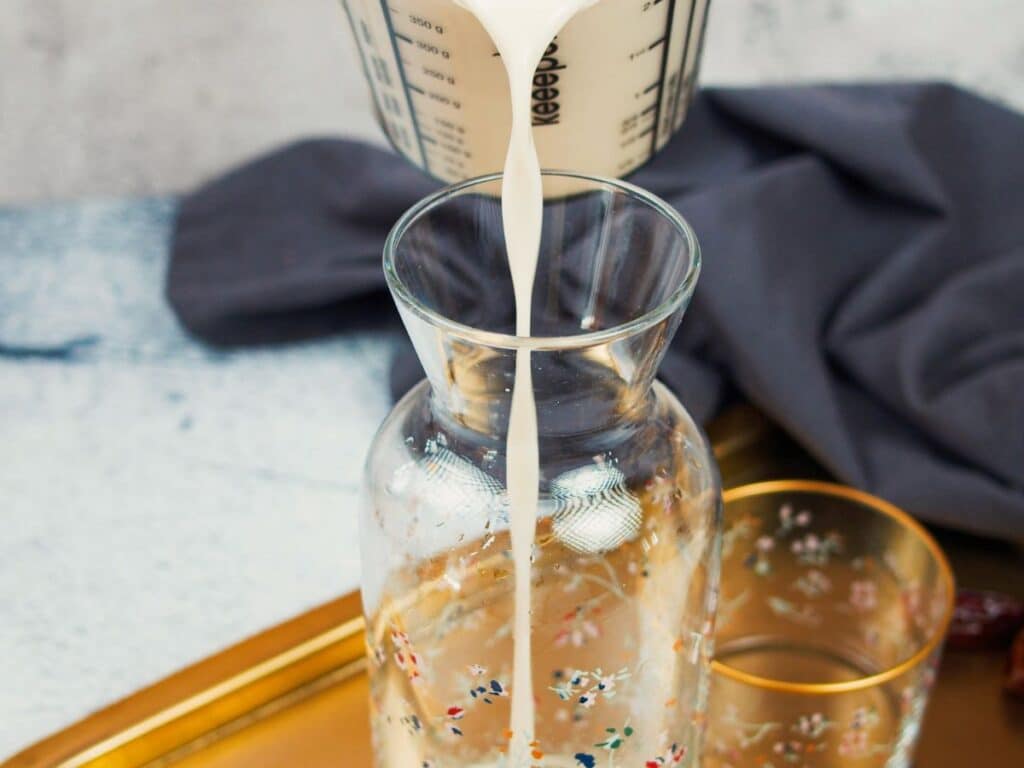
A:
879	505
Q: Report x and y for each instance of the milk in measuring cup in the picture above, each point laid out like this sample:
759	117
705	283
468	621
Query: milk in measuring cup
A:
609	92
602	97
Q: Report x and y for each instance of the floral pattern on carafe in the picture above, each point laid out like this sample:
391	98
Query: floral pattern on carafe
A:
625	564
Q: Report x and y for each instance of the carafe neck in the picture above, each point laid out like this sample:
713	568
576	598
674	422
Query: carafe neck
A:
577	390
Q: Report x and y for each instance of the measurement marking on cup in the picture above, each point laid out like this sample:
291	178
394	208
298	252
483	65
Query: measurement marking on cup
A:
636	137
362	55
664	66
686	56
405	83
404	38
651	87
450	136
657	42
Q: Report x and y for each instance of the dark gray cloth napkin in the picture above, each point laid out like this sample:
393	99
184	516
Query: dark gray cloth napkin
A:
863	275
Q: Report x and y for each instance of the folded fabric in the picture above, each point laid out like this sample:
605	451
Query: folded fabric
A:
863	275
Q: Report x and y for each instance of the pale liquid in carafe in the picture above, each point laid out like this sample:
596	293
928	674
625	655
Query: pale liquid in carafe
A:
454	649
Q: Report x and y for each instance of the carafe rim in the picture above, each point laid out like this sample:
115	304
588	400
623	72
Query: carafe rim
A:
676	300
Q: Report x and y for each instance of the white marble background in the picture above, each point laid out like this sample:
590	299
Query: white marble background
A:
157	501
129	97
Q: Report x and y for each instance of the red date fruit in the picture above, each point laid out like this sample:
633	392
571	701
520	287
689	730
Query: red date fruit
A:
984	619
1014	680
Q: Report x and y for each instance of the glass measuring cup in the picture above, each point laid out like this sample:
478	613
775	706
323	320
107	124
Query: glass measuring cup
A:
610	91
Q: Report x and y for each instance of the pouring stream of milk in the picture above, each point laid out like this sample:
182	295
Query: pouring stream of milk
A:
521	31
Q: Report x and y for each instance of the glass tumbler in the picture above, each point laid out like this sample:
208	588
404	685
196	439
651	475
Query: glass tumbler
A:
833	610
625	565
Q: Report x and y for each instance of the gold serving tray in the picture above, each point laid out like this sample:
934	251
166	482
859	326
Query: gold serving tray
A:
296	694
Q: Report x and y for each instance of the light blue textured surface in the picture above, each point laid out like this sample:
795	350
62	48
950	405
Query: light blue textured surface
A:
158	500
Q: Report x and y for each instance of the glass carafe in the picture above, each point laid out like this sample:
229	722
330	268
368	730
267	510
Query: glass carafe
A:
625	564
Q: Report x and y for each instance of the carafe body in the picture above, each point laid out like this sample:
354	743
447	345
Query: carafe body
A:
625	564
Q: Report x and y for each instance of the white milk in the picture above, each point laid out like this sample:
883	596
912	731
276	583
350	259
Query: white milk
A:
522	31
